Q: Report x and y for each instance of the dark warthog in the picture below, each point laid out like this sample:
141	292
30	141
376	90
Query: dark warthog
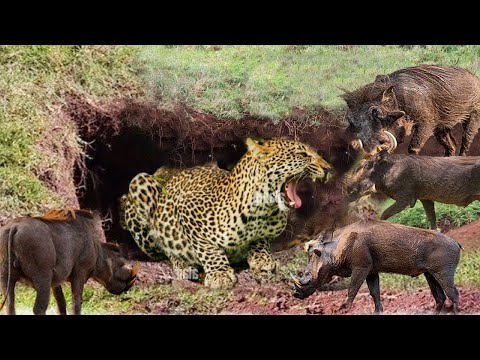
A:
364	249
426	98
60	246
406	178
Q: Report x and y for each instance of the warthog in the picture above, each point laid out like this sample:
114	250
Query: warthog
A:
426	98
406	178
60	246
364	249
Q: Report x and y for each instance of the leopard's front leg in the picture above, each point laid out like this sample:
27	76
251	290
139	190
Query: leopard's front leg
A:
218	272
183	270
259	258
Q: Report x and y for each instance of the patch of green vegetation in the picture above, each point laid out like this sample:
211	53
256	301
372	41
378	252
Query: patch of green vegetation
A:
96	300
275	81
466	274
416	216
298	262
34	138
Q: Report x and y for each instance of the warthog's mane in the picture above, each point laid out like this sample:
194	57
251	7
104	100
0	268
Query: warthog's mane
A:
65	214
439	77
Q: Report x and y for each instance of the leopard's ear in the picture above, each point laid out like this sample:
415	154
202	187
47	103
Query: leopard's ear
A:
254	146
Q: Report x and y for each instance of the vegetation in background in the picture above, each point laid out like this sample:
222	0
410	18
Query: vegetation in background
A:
34	139
275	82
416	216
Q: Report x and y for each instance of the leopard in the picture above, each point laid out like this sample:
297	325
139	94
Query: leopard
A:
199	216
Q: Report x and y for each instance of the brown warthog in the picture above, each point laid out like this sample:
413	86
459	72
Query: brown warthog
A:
364	249
406	178
60	246
426	98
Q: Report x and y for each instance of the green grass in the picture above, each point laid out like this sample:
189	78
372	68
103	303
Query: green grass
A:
96	300
416	216
272	81
34	138
466	274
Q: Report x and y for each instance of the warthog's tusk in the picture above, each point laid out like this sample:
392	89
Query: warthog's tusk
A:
393	140
307	245
360	143
295	280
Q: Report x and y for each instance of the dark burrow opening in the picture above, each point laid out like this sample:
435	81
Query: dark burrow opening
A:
138	138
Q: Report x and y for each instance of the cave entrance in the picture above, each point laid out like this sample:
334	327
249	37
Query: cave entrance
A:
111	165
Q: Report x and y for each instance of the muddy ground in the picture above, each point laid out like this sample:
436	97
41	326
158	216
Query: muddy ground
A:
273	294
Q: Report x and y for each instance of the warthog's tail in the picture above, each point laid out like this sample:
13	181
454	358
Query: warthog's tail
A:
12	232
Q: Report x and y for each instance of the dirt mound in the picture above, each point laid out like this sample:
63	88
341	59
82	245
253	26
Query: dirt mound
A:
468	235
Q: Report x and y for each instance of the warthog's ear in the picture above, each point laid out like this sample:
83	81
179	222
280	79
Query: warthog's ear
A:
389	100
393	116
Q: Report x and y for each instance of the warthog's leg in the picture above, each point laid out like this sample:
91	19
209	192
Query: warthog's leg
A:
358	277
373	282
42	284
77	294
218	273
437	292
60	299
396	207
421	133
446	281
259	258
445	138
429	207
470	129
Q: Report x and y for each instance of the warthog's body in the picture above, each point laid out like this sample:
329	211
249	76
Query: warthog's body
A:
426	98
364	249
44	252
406	178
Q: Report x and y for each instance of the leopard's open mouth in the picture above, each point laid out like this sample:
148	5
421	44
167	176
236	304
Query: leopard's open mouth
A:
290	192
289	188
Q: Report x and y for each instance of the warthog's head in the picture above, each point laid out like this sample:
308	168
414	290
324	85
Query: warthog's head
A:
284	162
358	182
372	112
111	270
319	268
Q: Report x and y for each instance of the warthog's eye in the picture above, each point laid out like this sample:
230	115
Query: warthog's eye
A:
374	112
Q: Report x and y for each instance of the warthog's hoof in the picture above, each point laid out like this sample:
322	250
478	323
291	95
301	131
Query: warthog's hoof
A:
220	279
262	262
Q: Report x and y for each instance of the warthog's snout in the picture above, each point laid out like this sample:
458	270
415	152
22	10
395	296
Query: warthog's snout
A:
304	286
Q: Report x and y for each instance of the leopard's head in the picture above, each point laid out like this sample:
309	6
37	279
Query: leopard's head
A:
286	162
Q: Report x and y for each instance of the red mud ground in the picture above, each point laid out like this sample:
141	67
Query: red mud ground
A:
273	296
467	235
